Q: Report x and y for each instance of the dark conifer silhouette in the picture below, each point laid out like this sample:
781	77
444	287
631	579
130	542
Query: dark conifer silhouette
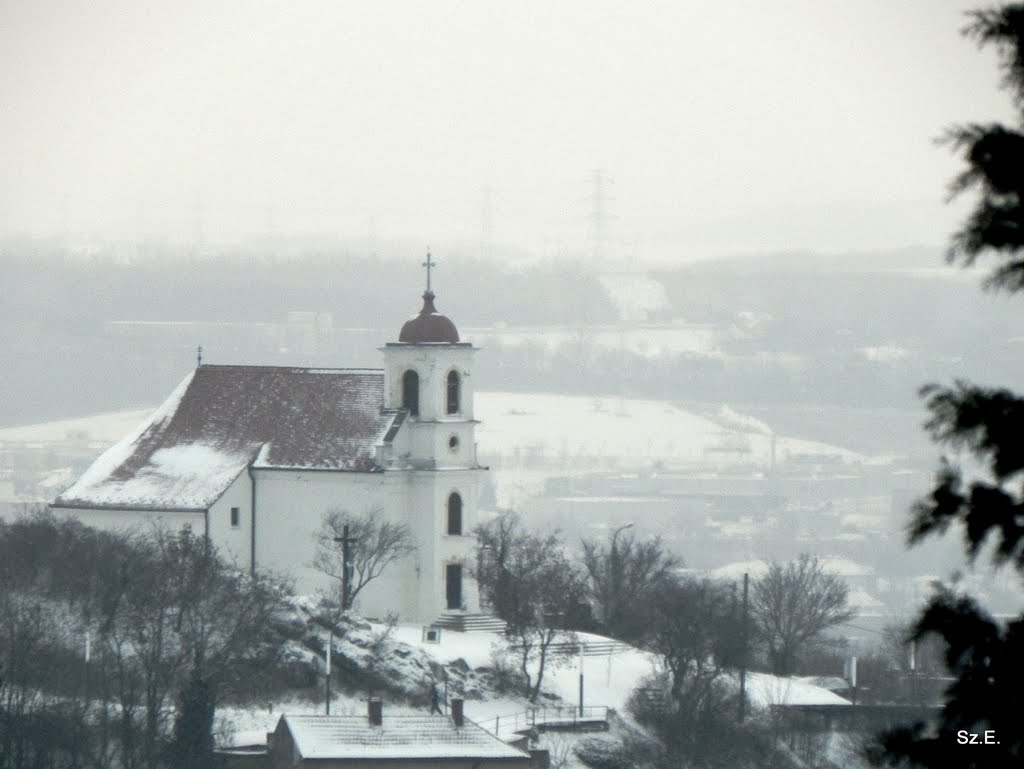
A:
980	722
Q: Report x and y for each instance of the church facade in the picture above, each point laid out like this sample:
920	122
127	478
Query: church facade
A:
254	456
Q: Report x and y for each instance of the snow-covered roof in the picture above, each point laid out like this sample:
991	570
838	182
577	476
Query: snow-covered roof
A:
399	736
765	690
221	418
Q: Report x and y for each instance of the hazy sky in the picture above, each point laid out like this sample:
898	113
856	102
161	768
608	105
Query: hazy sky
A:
724	127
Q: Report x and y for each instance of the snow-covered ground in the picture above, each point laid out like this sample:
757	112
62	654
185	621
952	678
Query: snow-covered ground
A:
565	429
529	437
412	664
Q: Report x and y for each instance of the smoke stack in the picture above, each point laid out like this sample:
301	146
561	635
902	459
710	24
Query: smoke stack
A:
457	711
375	711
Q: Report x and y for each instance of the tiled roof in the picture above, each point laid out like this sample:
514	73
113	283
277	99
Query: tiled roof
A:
221	418
399	736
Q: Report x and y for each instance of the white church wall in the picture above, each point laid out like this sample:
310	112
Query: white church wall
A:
432	363
290	506
430	492
136	521
394	592
430	442
463	453
233	540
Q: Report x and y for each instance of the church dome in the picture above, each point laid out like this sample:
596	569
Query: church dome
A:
429	327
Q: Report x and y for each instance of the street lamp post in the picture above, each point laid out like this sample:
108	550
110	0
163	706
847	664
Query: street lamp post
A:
614	574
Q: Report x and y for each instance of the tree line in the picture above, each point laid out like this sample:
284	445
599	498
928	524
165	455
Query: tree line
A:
116	649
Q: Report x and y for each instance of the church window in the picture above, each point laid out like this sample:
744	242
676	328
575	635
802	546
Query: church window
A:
453	392
235	517
453	443
454	513
411	392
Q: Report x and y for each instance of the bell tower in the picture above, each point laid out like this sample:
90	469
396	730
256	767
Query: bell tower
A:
428	377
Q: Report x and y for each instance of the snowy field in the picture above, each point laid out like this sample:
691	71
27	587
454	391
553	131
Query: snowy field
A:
527	437
565	429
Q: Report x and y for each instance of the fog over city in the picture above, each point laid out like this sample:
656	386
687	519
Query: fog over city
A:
722	128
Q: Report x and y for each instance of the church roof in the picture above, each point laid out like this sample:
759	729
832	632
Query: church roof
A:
430	326
222	418
399	736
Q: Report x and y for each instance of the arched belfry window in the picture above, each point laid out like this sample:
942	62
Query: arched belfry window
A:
454	513
411	392
453	392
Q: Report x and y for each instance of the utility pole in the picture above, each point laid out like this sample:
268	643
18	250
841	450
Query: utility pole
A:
327	678
346	566
583	648
743	651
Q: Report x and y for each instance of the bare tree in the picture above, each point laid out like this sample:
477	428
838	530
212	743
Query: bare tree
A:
185	624
376	543
534	587
692	705
793	604
624	575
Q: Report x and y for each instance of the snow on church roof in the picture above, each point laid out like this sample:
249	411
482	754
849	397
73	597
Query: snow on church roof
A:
221	418
400	736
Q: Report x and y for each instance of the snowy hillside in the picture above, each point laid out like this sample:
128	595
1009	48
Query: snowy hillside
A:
398	665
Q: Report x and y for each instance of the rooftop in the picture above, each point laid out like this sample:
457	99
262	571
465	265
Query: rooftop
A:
399	736
222	418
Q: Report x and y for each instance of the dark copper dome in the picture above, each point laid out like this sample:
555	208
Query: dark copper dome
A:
429	327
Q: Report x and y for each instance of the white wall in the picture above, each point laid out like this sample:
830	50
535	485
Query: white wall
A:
234	543
135	521
290	506
432	362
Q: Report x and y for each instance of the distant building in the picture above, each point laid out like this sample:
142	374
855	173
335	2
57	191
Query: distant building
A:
391	742
253	456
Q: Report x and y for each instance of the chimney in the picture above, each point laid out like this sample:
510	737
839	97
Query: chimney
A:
457	711
374	709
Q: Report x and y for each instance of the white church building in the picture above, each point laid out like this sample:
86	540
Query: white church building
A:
254	456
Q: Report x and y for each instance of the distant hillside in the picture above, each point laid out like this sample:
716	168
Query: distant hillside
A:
84	334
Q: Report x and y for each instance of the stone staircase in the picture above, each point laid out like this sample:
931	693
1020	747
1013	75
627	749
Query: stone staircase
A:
470	623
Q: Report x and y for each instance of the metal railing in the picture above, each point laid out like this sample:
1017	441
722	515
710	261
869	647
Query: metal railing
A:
587	649
566	716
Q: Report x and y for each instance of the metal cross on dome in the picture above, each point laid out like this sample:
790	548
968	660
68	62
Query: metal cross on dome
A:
429	265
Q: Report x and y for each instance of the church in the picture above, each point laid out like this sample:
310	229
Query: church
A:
254	456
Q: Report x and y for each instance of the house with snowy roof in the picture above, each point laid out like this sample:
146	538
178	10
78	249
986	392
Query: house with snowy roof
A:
254	456
392	742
